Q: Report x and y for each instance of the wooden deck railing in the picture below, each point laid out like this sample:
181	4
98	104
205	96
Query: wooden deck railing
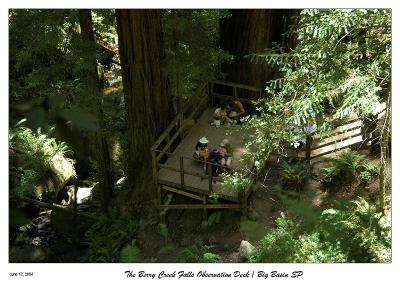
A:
181	169
257	92
338	135
181	123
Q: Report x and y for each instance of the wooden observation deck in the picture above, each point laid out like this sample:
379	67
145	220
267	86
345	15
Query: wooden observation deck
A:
174	169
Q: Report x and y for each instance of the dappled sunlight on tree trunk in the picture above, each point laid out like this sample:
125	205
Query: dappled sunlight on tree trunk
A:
146	101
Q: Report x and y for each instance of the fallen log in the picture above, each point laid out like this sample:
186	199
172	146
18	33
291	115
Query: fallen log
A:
54	207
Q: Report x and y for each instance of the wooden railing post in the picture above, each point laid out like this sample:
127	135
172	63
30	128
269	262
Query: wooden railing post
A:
308	147
181	119
209	170
167	139
155	174
182	172
204	223
154	164
235	93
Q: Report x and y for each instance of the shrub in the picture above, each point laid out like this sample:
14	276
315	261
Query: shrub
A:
111	240
355	232
35	151
361	230
191	251
280	244
287	243
210	257
295	175
343	167
130	253
314	250
237	180
369	172
214	218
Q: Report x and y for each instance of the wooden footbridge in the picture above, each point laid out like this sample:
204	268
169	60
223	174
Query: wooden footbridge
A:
176	173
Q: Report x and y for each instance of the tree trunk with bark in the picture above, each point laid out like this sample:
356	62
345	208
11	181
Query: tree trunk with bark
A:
145	91
92	80
252	31
384	147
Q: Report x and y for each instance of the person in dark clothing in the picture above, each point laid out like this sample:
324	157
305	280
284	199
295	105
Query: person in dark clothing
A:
235	112
201	150
214	158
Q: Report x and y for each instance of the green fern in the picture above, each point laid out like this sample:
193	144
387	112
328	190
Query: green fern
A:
109	237
214	218
35	151
210	257
343	167
130	253
295	175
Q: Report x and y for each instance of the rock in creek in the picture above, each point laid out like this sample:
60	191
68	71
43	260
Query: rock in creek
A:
246	250
61	171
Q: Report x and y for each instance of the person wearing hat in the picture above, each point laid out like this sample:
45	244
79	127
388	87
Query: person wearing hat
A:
201	150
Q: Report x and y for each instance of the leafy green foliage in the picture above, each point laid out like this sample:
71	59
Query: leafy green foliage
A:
361	230
280	244
341	62
192	253
237	180
349	166
46	67
130	253
192	58
355	232
295	175
339	66
189	250
298	206
214	218
343	167
41	58
253	231
210	257
369	172
287	243
112	240
36	151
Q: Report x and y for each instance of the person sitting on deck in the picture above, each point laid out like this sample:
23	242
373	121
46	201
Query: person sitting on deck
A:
236	112
219	117
214	157
226	153
201	150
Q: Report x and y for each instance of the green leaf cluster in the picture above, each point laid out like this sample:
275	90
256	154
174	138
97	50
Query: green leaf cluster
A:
340	64
113	240
349	166
35	152
294	175
354	232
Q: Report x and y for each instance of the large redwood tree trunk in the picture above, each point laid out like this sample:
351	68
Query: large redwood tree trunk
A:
92	81
251	31
145	91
